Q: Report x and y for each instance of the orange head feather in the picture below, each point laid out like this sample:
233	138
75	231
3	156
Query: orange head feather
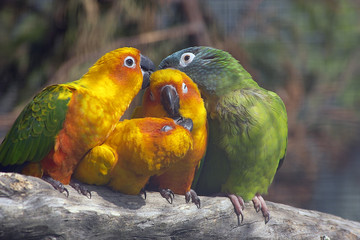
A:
121	66
191	103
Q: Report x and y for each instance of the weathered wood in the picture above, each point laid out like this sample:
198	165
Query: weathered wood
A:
31	209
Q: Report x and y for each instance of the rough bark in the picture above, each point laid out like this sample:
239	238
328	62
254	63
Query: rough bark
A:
31	209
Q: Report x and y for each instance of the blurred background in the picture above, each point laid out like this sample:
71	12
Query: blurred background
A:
306	51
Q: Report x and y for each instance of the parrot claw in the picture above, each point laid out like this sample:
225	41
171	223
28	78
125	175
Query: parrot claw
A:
242	218
259	204
80	188
142	191
88	192
167	194
267	217
239	206
56	184
67	192
194	198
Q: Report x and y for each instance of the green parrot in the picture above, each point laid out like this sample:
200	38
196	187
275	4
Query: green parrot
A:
247	128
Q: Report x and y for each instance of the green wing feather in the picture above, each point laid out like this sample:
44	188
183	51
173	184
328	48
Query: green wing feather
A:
32	136
213	169
247	140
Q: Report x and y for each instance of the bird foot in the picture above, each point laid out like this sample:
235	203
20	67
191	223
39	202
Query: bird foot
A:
142	191
80	188
56	184
167	194
239	206
259	204
194	198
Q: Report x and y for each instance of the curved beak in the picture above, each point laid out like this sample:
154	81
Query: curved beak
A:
164	64
187	123
147	68
170	101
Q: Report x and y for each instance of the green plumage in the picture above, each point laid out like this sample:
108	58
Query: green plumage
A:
32	136
247	124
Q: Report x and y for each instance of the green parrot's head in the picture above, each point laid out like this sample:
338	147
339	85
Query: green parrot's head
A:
214	70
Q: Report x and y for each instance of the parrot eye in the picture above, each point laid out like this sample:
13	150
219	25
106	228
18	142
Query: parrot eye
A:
129	62
184	88
166	128
186	58
152	98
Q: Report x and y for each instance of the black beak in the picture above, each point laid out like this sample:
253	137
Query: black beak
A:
164	64
187	123
170	101
147	68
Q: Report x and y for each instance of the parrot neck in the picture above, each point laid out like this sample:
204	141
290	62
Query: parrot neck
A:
227	81
216	86
105	88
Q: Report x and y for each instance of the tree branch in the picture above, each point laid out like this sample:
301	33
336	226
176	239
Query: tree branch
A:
30	208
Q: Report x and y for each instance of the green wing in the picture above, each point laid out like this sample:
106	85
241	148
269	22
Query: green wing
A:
247	140
214	167
33	134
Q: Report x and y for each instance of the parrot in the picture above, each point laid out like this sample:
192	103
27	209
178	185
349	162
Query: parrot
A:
134	151
173	94
64	121
247	127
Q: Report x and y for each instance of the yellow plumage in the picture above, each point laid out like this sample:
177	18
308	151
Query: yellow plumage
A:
136	150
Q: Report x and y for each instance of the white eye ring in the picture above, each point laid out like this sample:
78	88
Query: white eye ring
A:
184	88
186	58
166	128
151	96
129	62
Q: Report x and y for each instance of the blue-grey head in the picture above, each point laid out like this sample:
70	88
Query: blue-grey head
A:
214	70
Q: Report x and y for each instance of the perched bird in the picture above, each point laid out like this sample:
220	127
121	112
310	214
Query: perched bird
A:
173	94
135	150
247	127
65	121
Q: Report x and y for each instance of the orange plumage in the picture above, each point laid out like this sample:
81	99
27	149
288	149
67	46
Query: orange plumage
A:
97	103
136	150
65	121
180	175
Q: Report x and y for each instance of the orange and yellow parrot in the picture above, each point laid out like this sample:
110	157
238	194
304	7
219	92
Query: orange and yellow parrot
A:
173	94
136	150
63	122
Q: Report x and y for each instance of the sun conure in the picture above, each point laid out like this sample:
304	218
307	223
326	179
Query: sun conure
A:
172	93
65	121
135	150
247	127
